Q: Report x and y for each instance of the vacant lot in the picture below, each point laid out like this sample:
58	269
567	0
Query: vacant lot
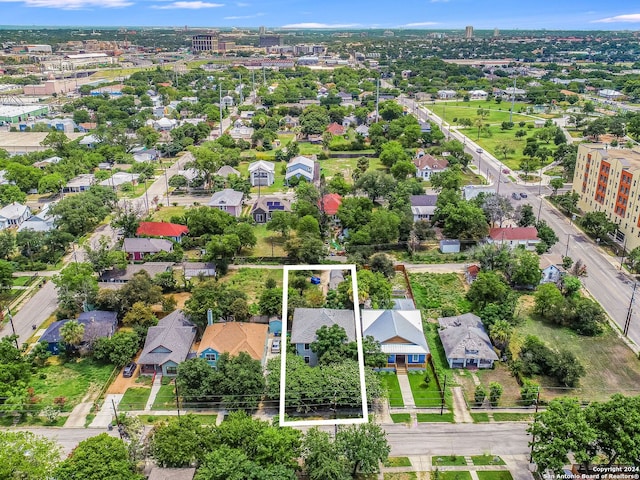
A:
71	380
498	113
611	367
435	291
252	280
270	243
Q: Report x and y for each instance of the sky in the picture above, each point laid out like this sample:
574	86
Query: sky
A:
348	14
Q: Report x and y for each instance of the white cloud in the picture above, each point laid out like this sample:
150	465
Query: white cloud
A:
320	25
420	24
194	5
72	4
242	17
630	18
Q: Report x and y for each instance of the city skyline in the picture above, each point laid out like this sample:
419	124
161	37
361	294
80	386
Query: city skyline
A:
331	14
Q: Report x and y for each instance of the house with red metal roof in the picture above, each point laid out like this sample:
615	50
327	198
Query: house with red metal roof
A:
330	203
172	231
514	237
335	129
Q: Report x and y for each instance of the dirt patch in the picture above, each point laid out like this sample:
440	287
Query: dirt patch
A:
181	298
120	384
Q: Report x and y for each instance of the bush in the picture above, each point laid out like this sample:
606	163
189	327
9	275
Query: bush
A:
479	395
495	392
529	392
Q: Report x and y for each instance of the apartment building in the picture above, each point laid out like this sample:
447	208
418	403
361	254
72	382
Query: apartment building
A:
608	180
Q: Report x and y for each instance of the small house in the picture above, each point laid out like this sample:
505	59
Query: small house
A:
471	273
552	268
226	170
137	248
465	342
81	183
43	221
400	335
120	178
427	165
233	338
302	167
197	269
263	208
335	129
423	207
330	203
97	324
14	214
262	173
167	345
307	321
514	237
446	94
227	200
116	275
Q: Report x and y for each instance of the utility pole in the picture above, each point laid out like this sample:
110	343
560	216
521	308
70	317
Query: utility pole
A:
220	93
535	419
177	401
624	250
444	389
115	412
166	183
566	253
627	321
13	327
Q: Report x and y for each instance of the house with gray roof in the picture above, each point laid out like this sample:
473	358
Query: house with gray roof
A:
97	324
226	170
137	248
400	335
81	183
307	321
262	173
43	221
196	269
14	214
423	207
336	277
466	343
227	200
167	345
116	275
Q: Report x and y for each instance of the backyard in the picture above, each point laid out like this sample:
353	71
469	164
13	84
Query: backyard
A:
434	292
252	280
270	243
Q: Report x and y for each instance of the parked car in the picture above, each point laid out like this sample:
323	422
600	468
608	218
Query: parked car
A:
515	196
523	195
275	346
129	370
479	150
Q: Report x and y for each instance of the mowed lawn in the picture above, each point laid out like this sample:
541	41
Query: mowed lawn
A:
135	398
610	366
390	383
270	243
72	380
424	395
498	113
499	136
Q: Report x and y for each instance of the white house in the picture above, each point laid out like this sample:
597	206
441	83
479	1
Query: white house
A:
514	237
477	95
262	173
15	214
427	165
227	101
551	267
43	221
446	94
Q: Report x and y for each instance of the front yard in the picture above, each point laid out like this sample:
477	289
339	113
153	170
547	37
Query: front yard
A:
390	383
424	394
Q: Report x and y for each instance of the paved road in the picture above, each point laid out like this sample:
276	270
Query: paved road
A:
605	282
35	311
68	438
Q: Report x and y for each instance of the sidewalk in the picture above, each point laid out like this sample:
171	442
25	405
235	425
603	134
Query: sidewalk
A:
405	389
106	414
155	388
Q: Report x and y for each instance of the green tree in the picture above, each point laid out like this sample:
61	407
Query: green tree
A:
524	216
524	269
383	263
329	343
281	222
212	295
306	250
140	314
392	152
98	458
270	302
548	300
451	179
178	442
376	184
139	289
76	285
500	332
556	183
27	456
72	333
479	395
242	383
118	350
355	212
488	287
6	275
403	169
597	224
364	446
322	460
560	430
51	183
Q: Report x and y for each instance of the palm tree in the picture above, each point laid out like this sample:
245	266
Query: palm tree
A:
500	333
72	333
479	122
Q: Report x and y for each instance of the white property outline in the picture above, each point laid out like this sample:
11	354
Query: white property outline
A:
283	354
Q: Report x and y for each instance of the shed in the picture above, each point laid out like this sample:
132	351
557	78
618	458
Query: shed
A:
450	246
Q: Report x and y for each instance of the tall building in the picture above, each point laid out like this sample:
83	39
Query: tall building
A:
496	33
468	32
267	41
262	30
204	43
608	180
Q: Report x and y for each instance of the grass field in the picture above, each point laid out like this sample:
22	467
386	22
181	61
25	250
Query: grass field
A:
390	383
435	418
498	113
499	136
400	476
460	475
449	461
21	281
72	380
494	475
433	291
135	398
165	400
610	366
265	240
512	417
401	417
480	417
397	462
487	460
252	280
165	213
424	395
